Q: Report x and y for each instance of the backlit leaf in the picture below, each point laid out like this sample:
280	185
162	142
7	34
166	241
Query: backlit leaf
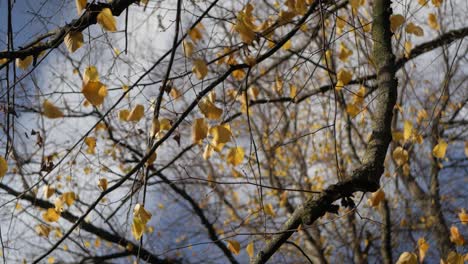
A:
463	216
91	143
456	237
3	166
376	198
209	109
423	248
140	212
73	41
235	156
269	210
50	110
432	21
440	149
80	5
250	249
24	63
107	20
102	184
400	156
233	246
407	258
199	130
69	198
94	92
137	228
137	113
199	68
407	130
414	29
51	215
396	21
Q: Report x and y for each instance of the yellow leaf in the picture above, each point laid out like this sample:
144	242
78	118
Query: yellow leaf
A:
238	74
292	91
58	203
408	46
123	114
437	3
235	156
209	109
221	135
24	63
50	215
235	173
279	85
352	110
376	198
107	20
3	166
414	29
137	113
396	21
165	124
423	248
287	45
207	152
344	52
454	258
94	92
50	110
102	183
199	68
137	228
140	212
244	24
97	242
269	210
400	156
345	76
199	130
91	74
48	191
463	216
188	48
440	149
80	5
456	237
432	21
155	127
151	158
407	258
69	198
407	130
355	4
42	230
250	249
233	246
91	143
73	41
51	260
195	33
175	93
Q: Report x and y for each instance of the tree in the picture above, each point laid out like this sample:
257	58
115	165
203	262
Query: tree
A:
299	131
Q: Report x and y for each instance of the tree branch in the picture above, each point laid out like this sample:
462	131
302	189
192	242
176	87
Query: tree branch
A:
366	178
